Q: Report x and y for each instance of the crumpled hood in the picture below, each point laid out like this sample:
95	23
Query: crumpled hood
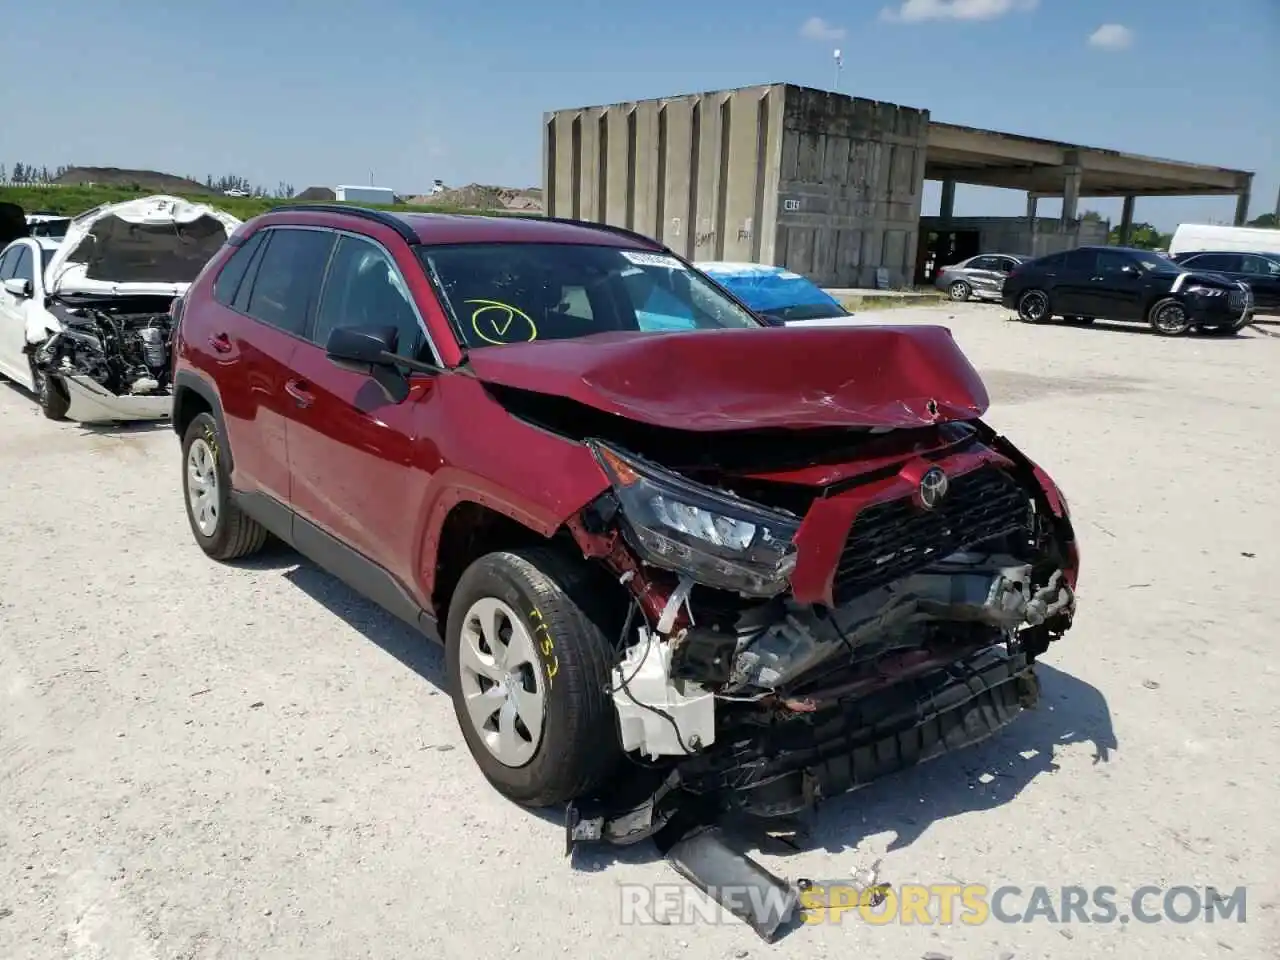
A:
152	245
750	379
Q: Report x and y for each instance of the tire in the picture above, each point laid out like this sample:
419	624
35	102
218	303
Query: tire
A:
225	532
569	744
1033	306
51	395
1168	317
960	291
1220	331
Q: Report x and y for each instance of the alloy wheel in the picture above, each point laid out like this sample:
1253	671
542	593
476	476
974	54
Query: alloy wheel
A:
501	682
202	486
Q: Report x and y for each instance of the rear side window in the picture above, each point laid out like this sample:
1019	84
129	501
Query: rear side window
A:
1082	260
1215	261
287	282
233	271
1053	261
983	263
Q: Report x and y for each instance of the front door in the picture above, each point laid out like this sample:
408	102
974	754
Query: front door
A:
1118	287
354	453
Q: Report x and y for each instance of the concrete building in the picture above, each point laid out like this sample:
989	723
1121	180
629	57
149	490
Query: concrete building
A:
830	185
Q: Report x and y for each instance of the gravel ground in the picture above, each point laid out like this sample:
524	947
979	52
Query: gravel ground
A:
204	761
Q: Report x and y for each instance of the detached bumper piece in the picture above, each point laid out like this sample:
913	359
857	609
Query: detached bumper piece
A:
775	770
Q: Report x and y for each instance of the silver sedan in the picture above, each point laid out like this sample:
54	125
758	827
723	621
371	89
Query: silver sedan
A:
980	277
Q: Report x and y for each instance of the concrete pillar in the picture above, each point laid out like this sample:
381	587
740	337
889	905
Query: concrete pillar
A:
1071	192
1126	220
947	209
1242	204
1033	202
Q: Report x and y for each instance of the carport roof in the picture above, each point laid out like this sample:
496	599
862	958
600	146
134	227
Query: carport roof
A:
994	159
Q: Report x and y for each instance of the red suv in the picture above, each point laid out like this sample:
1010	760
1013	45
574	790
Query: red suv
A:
765	564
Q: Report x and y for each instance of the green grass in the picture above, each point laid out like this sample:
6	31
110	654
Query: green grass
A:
70	201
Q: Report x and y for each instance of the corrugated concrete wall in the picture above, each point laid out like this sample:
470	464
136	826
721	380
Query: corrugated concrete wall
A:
822	183
1016	235
850	188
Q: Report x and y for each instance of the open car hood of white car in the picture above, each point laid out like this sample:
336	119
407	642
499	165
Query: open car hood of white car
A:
152	245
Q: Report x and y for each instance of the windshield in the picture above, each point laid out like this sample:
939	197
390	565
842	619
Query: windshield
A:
515	292
55	228
781	294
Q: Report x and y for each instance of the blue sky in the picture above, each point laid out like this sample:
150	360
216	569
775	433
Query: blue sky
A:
417	90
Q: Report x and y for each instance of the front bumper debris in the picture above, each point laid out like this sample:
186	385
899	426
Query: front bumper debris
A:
93	403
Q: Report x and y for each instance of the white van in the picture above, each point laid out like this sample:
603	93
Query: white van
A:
1194	237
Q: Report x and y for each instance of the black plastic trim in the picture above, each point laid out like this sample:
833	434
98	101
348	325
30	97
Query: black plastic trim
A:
389	220
353	568
188	380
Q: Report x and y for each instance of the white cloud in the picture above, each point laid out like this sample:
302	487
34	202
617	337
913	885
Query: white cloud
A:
918	11
815	28
1111	36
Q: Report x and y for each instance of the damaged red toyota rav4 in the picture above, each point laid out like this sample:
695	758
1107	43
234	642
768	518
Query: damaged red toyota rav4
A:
766	565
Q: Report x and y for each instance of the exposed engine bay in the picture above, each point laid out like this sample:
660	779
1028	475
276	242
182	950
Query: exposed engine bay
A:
122	344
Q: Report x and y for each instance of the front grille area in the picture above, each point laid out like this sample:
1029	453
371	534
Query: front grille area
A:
1237	300
896	539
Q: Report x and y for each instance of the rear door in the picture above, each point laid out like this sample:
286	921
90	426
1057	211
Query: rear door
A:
1072	287
355	456
265	302
19	264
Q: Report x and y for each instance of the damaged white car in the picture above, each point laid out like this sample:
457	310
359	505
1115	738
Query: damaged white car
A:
88	330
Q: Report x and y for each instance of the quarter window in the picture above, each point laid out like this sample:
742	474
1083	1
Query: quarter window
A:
287	283
1082	261
233	271
1259	266
365	289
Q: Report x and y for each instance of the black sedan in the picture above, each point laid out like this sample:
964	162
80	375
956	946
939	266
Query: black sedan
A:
1122	283
1261	271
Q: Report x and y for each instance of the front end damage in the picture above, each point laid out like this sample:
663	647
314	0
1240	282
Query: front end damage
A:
798	633
111	356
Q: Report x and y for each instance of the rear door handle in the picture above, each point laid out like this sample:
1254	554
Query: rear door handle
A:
220	342
298	390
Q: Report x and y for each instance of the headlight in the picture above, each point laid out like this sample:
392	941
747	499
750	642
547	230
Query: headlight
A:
683	526
1200	291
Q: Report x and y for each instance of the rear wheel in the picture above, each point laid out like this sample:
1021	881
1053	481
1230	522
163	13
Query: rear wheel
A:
222	529
1169	318
528	668
960	290
1033	307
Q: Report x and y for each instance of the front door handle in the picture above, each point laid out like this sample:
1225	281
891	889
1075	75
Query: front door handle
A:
220	342
298	390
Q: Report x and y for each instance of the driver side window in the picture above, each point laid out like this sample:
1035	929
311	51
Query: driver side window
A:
364	289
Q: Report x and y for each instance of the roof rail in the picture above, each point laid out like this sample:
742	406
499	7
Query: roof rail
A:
621	231
390	220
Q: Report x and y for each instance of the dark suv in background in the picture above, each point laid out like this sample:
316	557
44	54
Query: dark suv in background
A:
1259	271
1122	283
607	484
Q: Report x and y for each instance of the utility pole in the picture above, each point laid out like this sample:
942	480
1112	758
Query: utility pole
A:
839	64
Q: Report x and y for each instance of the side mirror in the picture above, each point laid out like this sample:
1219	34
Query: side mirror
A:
370	351
19	287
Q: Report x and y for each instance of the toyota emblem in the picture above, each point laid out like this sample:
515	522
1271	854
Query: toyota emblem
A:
933	488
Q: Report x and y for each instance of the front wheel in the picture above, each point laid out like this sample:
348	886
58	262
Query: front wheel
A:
1033	306
528	669
1169	318
50	394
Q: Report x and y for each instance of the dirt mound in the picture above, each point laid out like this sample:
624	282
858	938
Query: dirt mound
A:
148	180
477	196
316	194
